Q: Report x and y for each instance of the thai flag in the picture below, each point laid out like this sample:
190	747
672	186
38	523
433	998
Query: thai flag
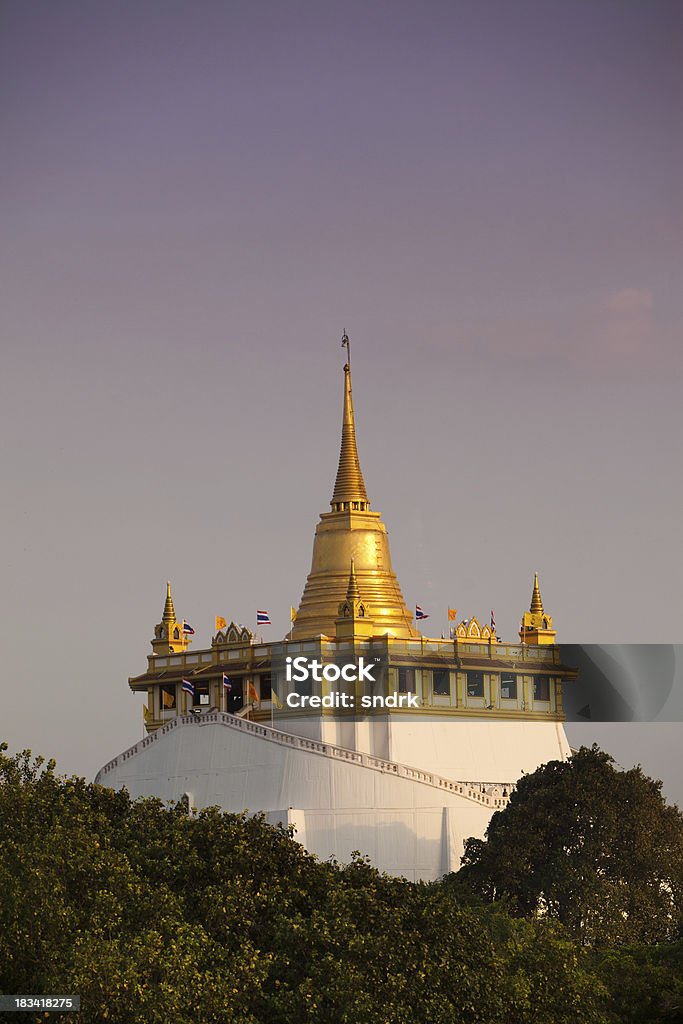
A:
227	685
419	614
187	628
188	687
263	619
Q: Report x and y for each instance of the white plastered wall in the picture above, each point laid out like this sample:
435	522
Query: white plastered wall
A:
406	827
474	750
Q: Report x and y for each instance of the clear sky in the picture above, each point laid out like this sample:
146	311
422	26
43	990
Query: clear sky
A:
198	197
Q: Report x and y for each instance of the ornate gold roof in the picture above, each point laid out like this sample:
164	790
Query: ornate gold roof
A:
351	531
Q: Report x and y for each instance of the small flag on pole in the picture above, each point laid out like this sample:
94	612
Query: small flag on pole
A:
227	685
292	614
452	614
220	622
188	687
419	613
145	713
263	619
187	628
275	699
251	692
168	698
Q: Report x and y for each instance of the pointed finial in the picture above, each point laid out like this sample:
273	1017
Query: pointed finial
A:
349	487
169	611
352	591
536	602
347	345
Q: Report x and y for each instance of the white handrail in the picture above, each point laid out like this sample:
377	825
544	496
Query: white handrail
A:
479	792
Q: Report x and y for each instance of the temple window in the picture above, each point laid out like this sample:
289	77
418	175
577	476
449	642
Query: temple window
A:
266	686
406	680
201	696
441	682
508	686
475	684
542	688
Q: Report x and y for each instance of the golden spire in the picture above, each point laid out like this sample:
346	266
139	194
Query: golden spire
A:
349	487
351	534
536	603
537	626
352	591
169	634
169	611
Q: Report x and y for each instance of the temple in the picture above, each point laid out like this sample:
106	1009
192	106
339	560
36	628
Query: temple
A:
404	780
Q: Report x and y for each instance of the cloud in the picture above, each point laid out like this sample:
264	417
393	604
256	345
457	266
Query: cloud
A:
629	301
625	327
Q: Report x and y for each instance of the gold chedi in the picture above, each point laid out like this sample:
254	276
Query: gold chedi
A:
351	532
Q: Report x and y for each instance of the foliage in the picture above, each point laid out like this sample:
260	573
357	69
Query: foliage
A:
587	845
152	915
646	983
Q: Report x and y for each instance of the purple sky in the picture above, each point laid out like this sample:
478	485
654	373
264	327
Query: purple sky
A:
198	198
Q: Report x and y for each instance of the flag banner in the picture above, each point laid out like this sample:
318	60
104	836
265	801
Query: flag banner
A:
220	622
188	687
251	692
292	614
227	685
145	713
187	628
168	699
275	699
419	613
452	614
263	619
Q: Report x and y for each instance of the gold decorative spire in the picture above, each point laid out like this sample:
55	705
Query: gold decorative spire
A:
352	591
351	534
169	611
537	626
169	634
349	487
536	603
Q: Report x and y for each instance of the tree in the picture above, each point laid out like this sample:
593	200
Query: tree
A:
646	983
153	915
591	846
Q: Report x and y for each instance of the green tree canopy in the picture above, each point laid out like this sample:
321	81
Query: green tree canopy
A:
591	846
151	915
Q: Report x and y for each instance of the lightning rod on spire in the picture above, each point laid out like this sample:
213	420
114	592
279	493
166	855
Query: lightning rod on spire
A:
347	345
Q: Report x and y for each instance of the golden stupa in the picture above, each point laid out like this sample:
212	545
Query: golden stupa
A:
351	533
